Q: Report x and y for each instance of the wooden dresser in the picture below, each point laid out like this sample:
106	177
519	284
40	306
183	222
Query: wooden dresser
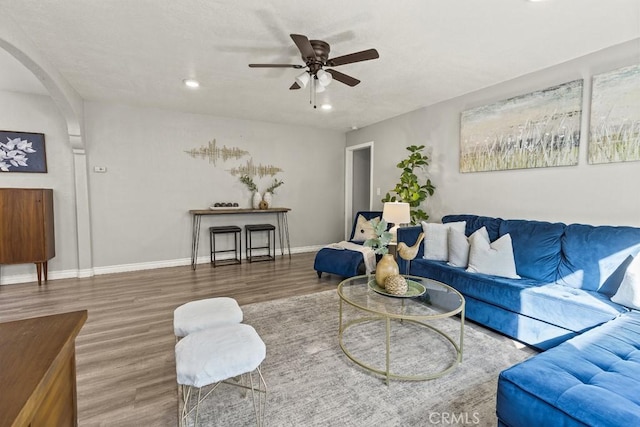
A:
26	227
38	371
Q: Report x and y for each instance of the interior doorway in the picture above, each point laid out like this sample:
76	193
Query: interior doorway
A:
358	182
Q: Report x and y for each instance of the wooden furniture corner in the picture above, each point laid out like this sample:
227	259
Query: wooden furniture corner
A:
38	370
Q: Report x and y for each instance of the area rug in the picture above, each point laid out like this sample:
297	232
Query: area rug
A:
312	383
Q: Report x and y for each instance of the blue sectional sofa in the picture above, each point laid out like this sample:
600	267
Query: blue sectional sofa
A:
560	304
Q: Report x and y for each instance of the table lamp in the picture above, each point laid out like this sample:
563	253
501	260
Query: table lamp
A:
397	213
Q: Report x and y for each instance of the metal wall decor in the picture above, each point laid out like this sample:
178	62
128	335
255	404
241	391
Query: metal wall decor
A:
22	152
213	153
539	129
259	170
615	116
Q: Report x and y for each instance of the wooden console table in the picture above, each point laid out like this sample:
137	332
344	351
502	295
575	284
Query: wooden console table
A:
38	370
281	218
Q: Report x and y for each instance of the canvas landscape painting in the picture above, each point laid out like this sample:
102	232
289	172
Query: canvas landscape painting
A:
615	116
535	130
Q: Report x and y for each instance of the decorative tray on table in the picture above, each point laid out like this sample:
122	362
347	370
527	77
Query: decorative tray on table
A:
415	289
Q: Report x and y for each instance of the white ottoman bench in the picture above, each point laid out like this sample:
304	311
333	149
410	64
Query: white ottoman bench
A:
211	356
202	314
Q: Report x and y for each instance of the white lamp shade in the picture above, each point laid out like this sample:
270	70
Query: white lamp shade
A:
319	87
396	212
303	79
324	78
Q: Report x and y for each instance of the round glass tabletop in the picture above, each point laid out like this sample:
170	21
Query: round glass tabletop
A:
438	300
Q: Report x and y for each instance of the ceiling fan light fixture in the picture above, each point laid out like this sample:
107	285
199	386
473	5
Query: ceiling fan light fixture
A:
303	79
324	78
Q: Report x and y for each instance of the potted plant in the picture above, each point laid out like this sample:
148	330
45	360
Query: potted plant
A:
387	266
256	199
268	194
409	189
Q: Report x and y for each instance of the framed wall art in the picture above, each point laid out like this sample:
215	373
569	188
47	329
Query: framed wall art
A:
535	130
22	152
614	133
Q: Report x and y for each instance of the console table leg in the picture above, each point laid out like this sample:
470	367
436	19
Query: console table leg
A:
286	232
195	234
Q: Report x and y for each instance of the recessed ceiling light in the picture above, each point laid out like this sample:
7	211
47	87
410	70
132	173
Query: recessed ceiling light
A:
326	107
191	83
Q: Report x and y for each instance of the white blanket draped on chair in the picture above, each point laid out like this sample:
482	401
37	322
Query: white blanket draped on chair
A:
367	253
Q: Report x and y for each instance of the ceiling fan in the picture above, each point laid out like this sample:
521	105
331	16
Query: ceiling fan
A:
315	54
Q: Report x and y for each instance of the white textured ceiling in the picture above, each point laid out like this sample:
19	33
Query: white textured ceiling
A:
138	51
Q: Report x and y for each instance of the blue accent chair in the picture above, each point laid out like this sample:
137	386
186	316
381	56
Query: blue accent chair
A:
344	263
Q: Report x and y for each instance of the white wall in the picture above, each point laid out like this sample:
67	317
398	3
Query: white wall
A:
595	194
36	113
139	207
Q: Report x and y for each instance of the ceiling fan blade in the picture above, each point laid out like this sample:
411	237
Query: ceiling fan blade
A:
294	86
275	66
343	78
304	46
364	55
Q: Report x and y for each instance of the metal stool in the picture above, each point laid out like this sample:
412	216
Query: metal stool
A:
237	241
271	240
212	356
206	313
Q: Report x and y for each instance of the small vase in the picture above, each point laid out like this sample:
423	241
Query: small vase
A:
387	266
257	198
268	198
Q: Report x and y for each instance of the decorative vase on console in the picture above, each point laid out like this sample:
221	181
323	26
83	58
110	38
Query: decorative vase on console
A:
267	197
387	266
257	198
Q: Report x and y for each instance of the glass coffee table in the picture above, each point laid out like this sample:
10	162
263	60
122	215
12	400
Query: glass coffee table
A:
426	301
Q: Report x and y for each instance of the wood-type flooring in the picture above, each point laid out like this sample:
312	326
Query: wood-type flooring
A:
125	352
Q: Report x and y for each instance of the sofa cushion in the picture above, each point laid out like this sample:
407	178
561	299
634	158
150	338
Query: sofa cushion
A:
458	248
475	222
436	239
629	292
363	229
495	258
592	379
536	247
591	254
569	308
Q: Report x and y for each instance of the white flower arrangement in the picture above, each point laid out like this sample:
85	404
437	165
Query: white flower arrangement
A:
14	152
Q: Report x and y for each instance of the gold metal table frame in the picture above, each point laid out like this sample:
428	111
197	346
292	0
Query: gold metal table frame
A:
456	306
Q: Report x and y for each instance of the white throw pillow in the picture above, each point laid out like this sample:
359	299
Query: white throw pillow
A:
364	229
629	291
491	258
436	245
458	249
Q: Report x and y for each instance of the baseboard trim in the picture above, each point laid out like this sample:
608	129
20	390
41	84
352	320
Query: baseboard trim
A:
124	268
26	278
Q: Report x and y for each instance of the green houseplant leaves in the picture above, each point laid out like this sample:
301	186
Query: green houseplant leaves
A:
379	244
409	189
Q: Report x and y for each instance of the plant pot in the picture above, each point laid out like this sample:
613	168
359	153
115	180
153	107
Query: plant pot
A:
257	198
268	198
387	266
